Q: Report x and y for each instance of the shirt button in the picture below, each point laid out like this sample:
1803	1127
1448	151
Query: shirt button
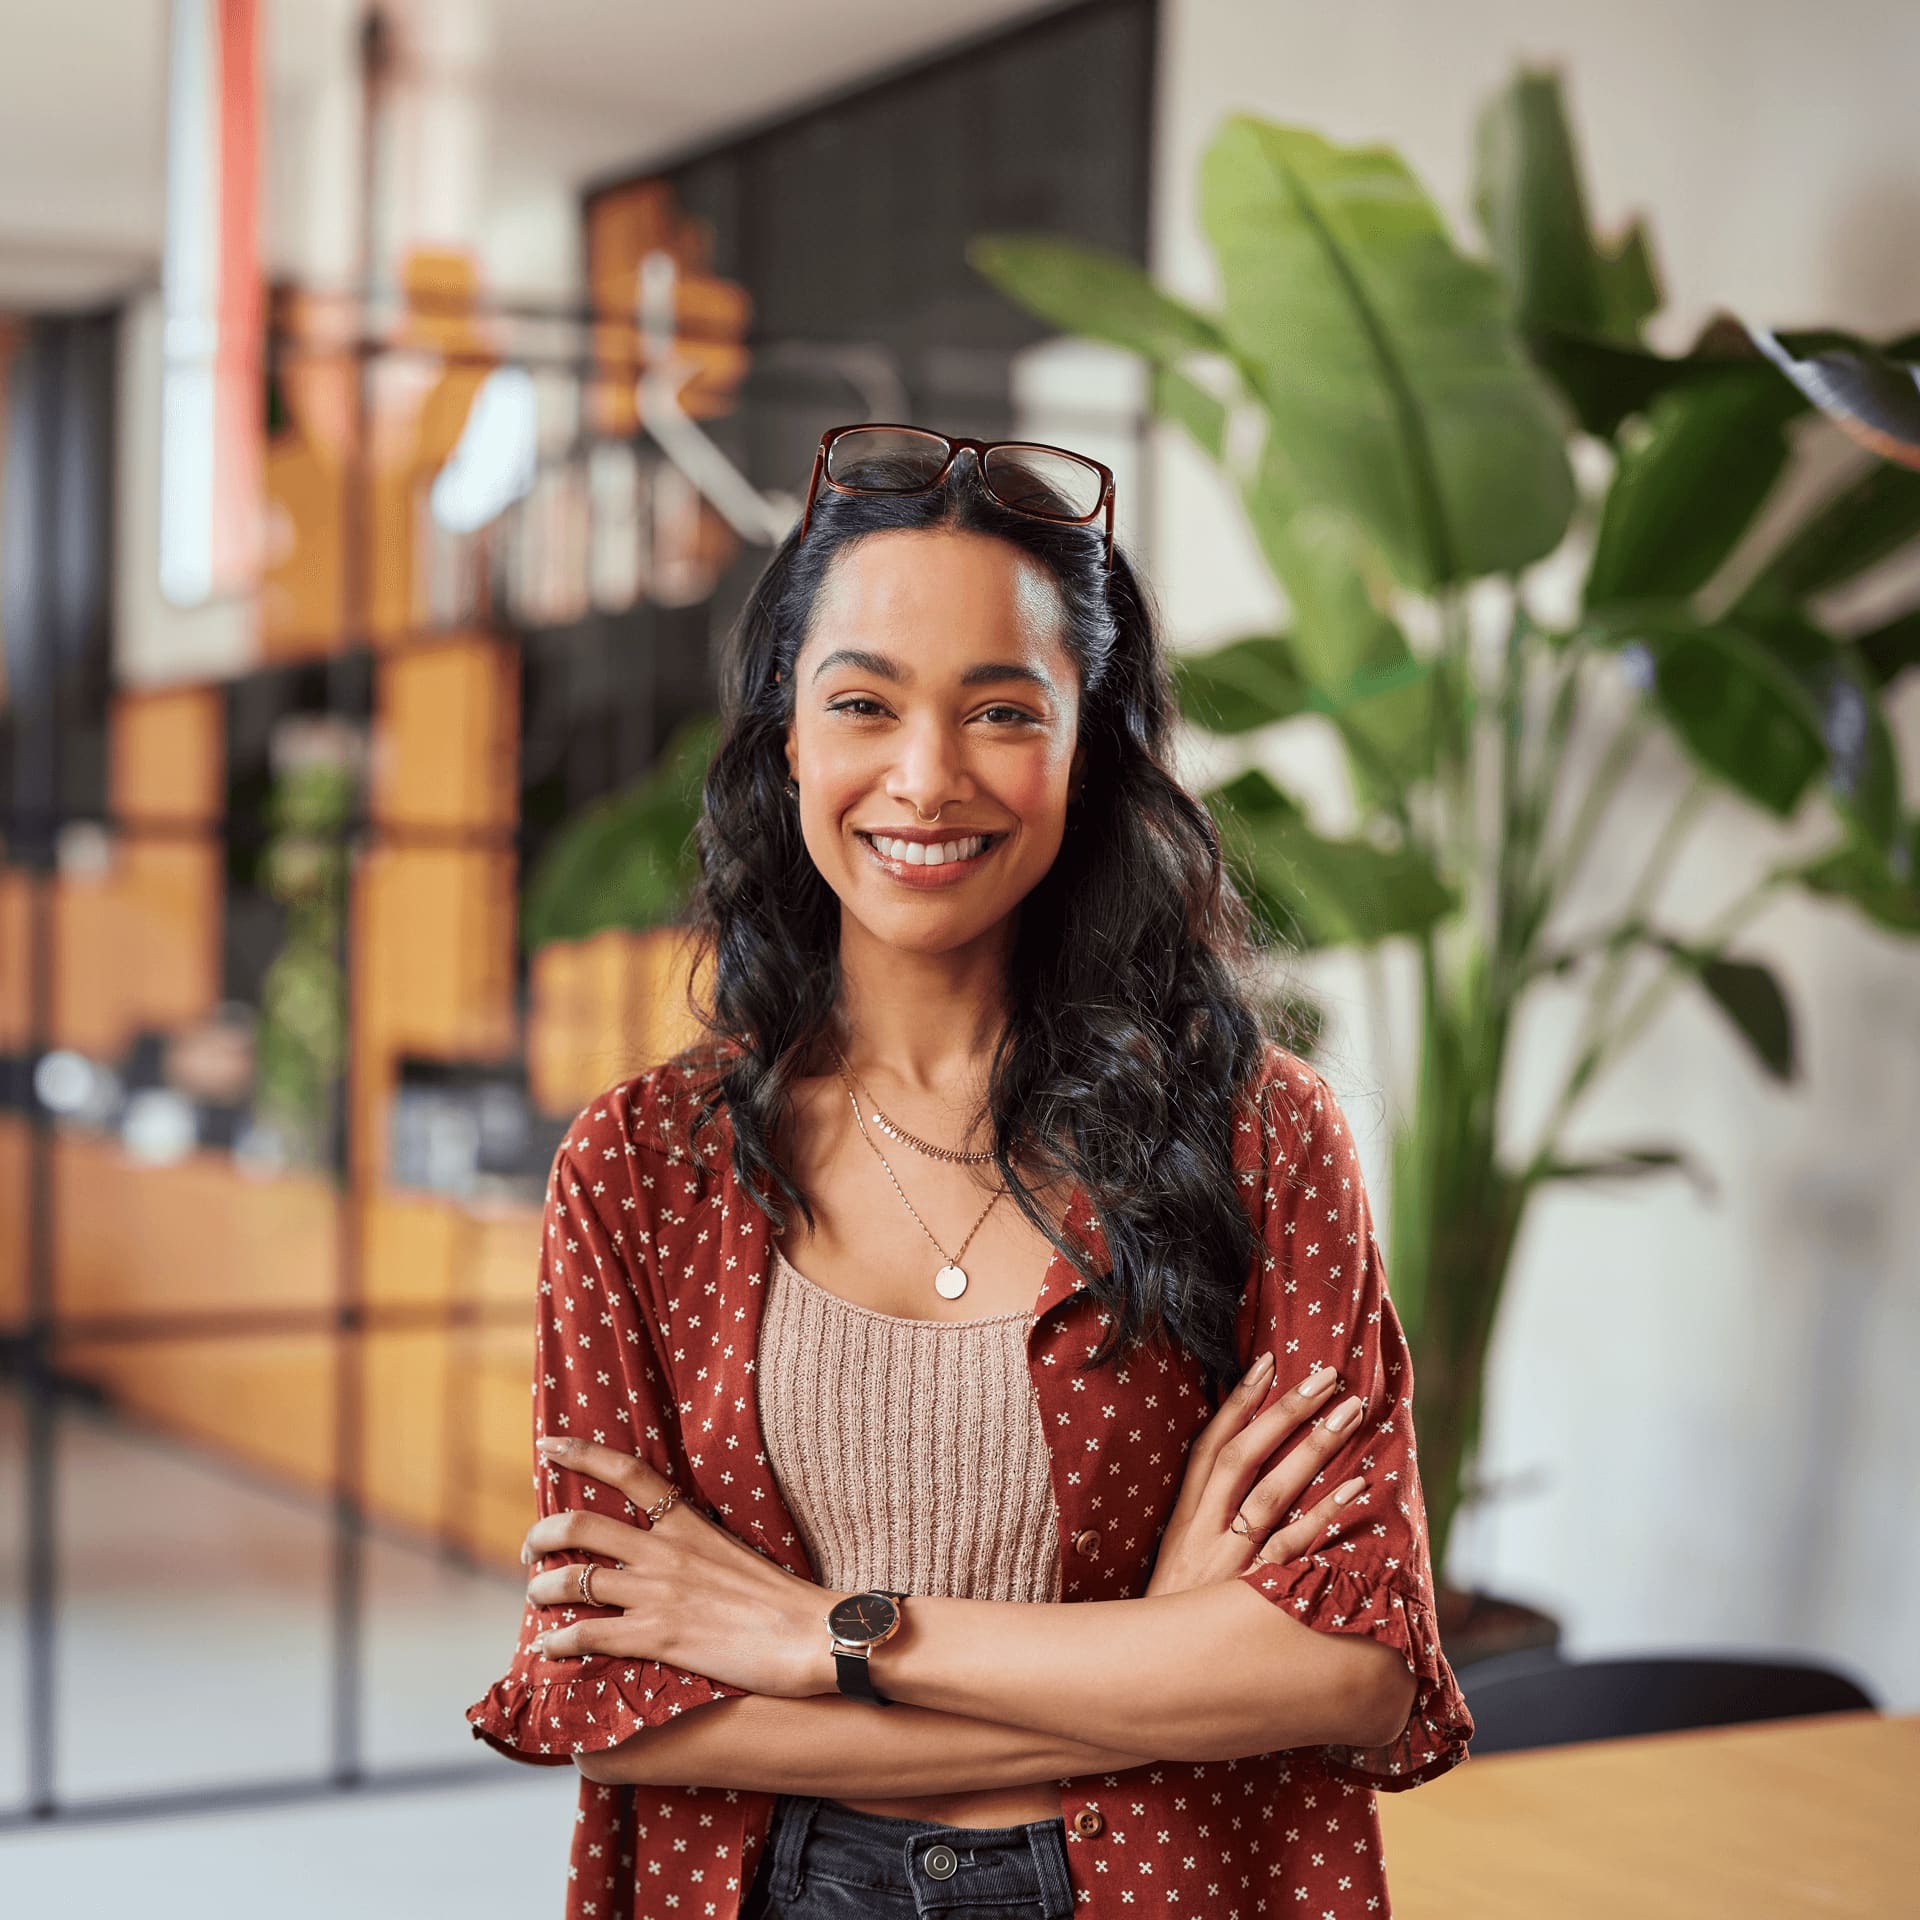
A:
1087	1541
941	1861
1087	1822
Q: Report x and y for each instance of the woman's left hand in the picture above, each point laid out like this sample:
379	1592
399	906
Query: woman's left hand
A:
689	1593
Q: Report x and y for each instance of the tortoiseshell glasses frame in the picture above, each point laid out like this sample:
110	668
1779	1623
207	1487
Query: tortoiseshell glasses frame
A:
1001	467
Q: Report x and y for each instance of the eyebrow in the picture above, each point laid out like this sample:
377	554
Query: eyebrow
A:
981	673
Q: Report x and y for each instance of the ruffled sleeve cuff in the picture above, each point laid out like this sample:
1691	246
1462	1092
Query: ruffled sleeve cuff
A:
550	1710
1334	1599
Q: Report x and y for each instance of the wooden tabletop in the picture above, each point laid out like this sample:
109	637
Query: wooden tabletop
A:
1814	1816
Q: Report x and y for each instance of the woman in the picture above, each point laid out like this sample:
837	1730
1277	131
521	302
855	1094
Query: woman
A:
976	1463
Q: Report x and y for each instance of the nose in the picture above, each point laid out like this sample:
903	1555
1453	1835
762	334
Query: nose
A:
931	768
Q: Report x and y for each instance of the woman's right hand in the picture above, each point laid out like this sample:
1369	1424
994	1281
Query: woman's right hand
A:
1200	1545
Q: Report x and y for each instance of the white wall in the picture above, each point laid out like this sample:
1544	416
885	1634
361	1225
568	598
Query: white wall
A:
1713	1402
154	641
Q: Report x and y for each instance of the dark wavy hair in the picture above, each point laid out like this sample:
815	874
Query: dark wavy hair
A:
1133	1031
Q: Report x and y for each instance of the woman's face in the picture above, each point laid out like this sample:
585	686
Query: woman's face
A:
934	678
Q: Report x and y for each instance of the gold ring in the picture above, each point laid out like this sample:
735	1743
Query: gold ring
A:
1238	1524
586	1582
661	1505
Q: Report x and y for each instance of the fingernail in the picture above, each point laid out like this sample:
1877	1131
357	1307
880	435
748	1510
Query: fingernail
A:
1318	1381
1343	1494
526	1555
1259	1370
549	1444
1345	1414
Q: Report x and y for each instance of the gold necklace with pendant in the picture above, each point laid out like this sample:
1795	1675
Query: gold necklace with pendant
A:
951	1281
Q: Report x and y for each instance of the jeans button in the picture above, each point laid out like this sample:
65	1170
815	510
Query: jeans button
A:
941	1861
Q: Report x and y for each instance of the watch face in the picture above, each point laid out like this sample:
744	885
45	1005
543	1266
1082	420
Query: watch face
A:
862	1616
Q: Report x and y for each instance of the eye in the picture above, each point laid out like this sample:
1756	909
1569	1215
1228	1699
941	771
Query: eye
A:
1017	716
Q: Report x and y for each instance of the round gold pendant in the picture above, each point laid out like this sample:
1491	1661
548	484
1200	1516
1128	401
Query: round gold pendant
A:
950	1282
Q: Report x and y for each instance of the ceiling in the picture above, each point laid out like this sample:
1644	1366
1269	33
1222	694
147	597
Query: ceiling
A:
574	88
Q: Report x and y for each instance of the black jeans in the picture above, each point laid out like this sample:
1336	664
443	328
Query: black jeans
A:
823	1861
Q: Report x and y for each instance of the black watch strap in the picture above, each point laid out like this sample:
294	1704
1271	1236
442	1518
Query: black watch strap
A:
856	1678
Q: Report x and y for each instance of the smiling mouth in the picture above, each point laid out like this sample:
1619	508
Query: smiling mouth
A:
964	850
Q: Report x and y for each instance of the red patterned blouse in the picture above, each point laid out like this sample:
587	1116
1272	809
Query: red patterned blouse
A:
651	1289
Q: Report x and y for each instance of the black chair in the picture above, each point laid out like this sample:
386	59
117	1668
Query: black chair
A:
1534	1699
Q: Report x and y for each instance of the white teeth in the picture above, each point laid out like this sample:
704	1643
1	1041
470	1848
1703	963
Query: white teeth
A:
915	853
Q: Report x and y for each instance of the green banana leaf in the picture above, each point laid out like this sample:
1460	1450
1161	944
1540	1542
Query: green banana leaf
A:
1863	762
1743	715
1240	687
1683	495
1888	651
1095	292
1883	888
1254	682
1318	892
1188	404
1398	390
1333	577
1342	639
1631	1163
1532	206
1607	382
1872	517
628	861
1751	997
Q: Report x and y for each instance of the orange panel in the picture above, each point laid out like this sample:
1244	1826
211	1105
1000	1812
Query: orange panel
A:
171	896
168	754
496	1392
503	1254
663	1023
448	727
269	1402
435	958
602	1008
92	966
414	1250
404	1457
197	1233
576	990
137	945
16	926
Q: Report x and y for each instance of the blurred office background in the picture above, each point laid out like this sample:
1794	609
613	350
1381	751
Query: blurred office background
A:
348	578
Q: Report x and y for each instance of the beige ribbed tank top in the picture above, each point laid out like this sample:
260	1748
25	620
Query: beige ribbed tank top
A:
910	1452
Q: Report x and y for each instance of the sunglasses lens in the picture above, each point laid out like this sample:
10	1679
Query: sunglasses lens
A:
886	459
1057	486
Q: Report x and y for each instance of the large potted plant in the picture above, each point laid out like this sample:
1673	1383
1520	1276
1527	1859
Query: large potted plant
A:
1398	419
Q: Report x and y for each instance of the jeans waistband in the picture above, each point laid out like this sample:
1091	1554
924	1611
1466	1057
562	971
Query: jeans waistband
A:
1022	1867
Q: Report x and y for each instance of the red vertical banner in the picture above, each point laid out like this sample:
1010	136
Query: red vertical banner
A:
239	421
213	392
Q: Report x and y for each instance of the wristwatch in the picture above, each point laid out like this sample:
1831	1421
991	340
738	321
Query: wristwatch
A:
858	1624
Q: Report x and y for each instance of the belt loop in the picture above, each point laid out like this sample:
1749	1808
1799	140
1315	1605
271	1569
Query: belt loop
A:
794	1816
1049	1840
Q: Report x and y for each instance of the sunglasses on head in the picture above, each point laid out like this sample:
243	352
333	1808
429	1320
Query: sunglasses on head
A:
1049	483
